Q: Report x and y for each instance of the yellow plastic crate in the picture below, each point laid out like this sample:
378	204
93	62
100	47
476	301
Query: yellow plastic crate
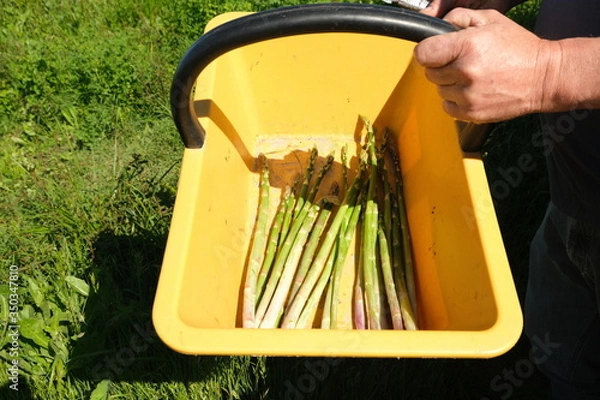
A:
280	97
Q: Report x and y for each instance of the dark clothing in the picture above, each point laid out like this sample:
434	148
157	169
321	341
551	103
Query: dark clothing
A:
563	293
572	139
561	310
559	19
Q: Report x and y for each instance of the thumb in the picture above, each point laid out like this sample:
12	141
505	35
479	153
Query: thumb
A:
438	51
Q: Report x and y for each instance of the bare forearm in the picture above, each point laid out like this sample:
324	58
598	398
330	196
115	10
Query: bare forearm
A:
572	79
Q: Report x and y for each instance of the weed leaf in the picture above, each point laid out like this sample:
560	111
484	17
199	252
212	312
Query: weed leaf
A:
4	303
101	391
35	291
33	329
79	285
18	140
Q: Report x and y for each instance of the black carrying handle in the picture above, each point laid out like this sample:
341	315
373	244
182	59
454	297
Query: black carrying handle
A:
281	22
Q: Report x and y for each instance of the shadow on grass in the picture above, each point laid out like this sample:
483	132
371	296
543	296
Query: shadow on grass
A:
120	343
16	391
509	376
119	334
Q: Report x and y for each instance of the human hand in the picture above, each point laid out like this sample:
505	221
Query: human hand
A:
439	8
491	70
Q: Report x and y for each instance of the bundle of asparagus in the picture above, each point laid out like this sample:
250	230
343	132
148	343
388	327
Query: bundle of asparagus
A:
297	263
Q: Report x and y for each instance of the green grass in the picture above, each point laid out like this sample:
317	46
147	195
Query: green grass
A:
89	160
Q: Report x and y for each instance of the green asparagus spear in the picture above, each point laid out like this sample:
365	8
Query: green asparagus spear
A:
404	229
290	202
322	172
343	246
369	236
301	198
292	314
272	241
390	287
408	313
279	263
344	156
312	302
275	309
358	300
310	250
326	317
258	247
